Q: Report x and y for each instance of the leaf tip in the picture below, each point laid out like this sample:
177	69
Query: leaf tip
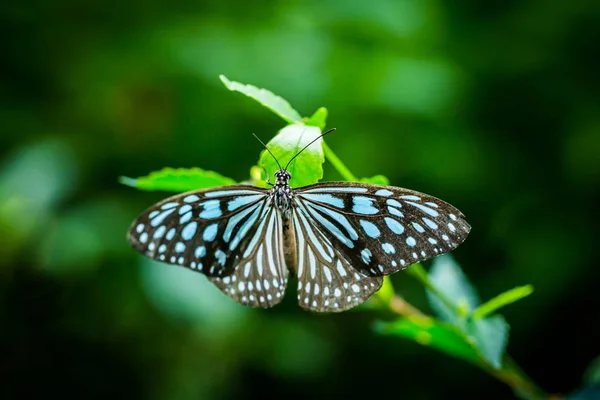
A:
127	181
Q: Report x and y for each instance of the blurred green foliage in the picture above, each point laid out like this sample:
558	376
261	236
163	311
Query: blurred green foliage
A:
490	106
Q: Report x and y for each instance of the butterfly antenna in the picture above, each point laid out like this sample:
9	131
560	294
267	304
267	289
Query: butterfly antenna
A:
304	148
265	146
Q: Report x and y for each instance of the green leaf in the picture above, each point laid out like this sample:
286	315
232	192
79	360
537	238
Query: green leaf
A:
503	299
376	180
490	336
178	180
318	119
429	332
449	280
592	374
307	168
268	99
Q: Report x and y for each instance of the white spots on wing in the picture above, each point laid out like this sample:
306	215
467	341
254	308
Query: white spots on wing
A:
394	263
432	241
364	205
423	254
159	232
173	259
415	255
189	231
388	248
340	269
143	237
191	198
411	241
210	232
160	217
211	209
328	275
200	251
241	286
445	237
425	209
139	228
370	229
380	267
162	248
451	227
394	225
193	264
431	204
355	288
403	262
418	227
365	255
337	292
307	287
316	289
247	269
453	217
181	260
430	223
325	198
179	247
384	192
171	234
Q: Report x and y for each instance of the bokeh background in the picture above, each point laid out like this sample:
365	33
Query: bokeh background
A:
493	106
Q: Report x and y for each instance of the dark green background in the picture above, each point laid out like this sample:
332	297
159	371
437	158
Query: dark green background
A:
492	106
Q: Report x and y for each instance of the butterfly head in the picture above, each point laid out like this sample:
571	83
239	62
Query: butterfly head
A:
282	177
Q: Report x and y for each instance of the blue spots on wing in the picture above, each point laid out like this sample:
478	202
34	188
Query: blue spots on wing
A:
365	255
371	230
185	217
394	225
189	231
364	205
160	217
179	247
191	198
325	198
411	241
212	209
241	201
384	192
210	232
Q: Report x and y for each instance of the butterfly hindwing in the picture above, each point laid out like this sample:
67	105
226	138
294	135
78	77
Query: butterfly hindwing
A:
204	230
327	282
382	229
260	276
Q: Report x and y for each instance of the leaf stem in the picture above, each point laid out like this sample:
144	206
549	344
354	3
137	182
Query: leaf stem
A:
338	164
510	373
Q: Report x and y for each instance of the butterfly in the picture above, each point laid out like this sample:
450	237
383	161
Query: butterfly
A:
339	238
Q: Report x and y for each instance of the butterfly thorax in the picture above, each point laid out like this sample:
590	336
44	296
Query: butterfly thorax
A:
282	193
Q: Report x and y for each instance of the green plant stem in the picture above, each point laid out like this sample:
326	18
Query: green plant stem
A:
510	373
338	164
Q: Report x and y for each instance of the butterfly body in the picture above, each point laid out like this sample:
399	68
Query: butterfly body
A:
338	238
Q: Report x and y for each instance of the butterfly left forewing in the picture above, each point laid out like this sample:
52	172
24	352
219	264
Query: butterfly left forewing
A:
206	230
382	229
